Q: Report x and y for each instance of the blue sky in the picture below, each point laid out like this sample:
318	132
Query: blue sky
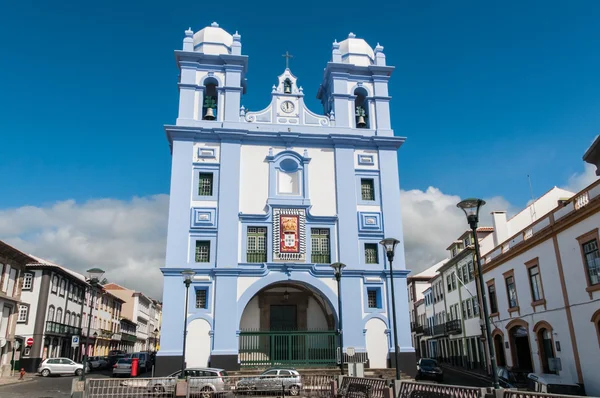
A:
486	92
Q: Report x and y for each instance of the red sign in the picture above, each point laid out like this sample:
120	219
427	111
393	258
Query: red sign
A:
289	241
29	341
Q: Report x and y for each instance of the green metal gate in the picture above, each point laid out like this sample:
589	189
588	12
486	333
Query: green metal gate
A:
297	348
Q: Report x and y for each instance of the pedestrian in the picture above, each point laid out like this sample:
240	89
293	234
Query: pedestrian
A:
22	374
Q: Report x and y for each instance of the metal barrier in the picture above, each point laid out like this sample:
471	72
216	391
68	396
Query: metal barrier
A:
426	390
529	394
362	387
317	386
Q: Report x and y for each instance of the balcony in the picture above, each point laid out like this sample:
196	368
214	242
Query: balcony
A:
128	337
413	326
428	331
62	329
419	329
454	326
116	337
439	329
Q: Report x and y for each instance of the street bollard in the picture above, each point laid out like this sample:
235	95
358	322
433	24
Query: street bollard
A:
134	366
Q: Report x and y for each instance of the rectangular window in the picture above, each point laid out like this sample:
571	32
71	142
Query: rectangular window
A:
471	273
449	282
454	281
475	307
492	296
464	274
511	291
256	250
202	251
320	252
469	309
373	298
536	283
592	259
23	314
201	295
371	255
27	281
205	186
464	310
367	188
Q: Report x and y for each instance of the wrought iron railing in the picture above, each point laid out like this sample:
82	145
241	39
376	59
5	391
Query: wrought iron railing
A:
428	331
425	390
256	257
320	258
62	329
419	329
439	329
297	348
128	337
454	326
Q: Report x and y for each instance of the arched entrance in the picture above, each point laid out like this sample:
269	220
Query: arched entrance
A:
519	341
543	333
499	349
288	323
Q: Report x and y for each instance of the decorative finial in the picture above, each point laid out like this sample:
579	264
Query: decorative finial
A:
378	48
271	151
300	89
336	45
332	115
287	57
189	32
242	111
274	89
305	153
236	36
351	35
214	25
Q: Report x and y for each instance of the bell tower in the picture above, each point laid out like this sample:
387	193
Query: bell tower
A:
212	76
354	91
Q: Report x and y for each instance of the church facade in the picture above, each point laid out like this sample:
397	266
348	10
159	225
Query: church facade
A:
262	203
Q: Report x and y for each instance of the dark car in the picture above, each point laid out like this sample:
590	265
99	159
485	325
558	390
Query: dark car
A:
429	369
512	378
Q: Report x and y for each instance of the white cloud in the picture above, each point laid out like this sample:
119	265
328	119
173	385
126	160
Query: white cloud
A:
125	238
578	181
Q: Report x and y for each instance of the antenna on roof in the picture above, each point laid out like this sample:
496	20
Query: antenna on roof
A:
532	208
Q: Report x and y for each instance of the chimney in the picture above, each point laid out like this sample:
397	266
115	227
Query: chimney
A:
500	227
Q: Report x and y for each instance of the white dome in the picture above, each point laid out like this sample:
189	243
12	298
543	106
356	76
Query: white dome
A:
213	40
356	51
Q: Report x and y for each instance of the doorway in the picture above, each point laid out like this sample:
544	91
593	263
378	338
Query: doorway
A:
499	348
521	349
546	350
283	318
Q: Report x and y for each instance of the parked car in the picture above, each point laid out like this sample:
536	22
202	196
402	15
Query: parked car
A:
428	369
144	360
97	363
512	378
60	366
552	384
272	380
113	353
122	367
204	382
112	359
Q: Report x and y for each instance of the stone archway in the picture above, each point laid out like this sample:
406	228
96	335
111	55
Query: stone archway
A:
498	340
545	341
520	346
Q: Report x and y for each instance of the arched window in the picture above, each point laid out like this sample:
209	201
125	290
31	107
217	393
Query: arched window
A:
58	318
78	321
361	107
287	86
67	318
288	178
499	348
51	313
211	99
54	284
63	286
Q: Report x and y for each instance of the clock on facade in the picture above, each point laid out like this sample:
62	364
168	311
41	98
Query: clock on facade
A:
287	106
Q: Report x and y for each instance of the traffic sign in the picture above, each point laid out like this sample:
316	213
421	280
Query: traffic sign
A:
29	341
75	341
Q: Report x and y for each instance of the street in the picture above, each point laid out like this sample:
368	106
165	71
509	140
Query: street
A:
458	378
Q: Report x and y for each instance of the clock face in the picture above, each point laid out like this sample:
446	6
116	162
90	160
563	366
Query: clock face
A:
287	106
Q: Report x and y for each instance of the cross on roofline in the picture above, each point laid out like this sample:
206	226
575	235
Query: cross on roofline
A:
287	57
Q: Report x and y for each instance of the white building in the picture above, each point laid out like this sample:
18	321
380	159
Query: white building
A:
12	267
50	312
105	327
543	286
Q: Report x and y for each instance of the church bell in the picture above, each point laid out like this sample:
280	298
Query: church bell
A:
361	122
210	114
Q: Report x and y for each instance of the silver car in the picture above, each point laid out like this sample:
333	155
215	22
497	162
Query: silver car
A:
203	382
272	381
122	367
60	366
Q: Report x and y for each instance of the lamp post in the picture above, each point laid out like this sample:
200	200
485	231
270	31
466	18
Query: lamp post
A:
390	247
471	208
156	340
337	270
94	276
188	275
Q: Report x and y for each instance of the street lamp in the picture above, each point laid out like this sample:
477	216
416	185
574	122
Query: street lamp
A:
471	208
188	275
94	275
155	339
337	271
390	247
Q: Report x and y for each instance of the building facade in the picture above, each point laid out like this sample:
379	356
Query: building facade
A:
543	284
50	313
263	202
105	327
12	267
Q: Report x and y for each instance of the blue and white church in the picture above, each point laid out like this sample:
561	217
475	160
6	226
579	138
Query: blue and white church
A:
263	202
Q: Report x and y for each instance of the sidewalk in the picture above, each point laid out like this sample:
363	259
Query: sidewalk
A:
477	374
4	381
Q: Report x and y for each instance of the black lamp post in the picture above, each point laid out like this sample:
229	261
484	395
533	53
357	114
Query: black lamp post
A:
94	276
337	269
471	208
188	275
390	247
